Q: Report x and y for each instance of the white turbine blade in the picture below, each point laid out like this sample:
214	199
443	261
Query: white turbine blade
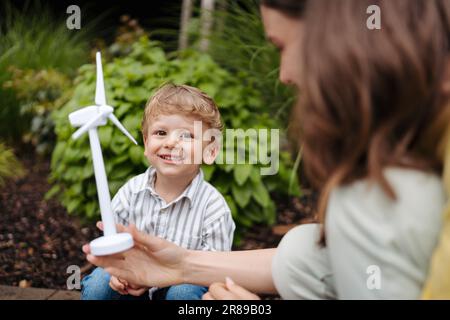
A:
88	125
121	127
100	97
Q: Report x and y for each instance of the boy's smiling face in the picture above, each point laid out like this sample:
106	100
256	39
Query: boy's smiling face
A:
174	145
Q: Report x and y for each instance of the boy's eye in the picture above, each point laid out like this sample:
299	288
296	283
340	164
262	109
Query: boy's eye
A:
159	133
187	135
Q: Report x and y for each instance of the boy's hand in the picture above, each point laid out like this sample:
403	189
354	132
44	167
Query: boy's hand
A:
136	291
117	285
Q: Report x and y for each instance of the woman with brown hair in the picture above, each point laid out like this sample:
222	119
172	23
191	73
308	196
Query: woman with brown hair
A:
372	116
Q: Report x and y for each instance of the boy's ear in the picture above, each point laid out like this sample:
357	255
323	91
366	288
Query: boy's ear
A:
210	152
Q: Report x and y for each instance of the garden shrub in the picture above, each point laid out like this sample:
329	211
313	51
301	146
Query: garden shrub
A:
10	166
32	37
129	82
39	92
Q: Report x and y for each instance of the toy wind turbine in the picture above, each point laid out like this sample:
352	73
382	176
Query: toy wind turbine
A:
89	118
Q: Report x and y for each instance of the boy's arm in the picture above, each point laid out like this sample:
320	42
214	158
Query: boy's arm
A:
218	229
218	235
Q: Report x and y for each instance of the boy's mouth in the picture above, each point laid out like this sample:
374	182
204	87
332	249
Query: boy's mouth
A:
171	158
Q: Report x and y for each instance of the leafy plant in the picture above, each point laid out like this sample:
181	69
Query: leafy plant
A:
33	38
39	92
10	166
130	81
238	43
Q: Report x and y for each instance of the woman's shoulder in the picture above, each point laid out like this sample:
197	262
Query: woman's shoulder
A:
416	193
365	227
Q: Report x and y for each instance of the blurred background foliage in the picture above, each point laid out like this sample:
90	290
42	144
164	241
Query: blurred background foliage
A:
10	167
37	42
47	72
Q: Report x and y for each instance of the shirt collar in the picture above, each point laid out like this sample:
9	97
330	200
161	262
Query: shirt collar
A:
190	192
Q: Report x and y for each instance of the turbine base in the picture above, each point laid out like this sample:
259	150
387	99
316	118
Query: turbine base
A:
111	244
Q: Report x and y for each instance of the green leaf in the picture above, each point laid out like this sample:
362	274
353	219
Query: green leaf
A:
105	135
92	209
260	194
122	109
137	94
232	205
73	204
87	172
244	221
52	192
58	152
72	155
241	194
75	189
255	175
121	159
136	153
254	212
222	182
270	213
132	122
114	185
241	173
228	167
119	143
208	171
120	172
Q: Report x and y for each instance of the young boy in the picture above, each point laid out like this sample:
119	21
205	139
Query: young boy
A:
171	199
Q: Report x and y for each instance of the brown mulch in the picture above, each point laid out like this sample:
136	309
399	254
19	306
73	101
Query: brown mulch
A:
39	240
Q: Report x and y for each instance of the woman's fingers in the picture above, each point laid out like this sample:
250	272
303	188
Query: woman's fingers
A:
218	291
207	296
105	261
164	258
143	240
86	249
99	225
228	291
119	227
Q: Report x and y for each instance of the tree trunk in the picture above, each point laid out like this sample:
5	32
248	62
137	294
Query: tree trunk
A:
206	23
186	13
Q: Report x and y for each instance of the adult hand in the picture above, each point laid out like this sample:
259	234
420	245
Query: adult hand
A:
228	291
151	262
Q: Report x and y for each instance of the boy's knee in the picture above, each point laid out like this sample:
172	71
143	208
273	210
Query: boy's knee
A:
95	286
186	292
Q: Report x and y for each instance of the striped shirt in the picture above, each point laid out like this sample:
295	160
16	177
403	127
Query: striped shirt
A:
198	219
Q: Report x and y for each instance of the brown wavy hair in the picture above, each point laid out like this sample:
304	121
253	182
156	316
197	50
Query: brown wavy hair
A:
171	98
370	99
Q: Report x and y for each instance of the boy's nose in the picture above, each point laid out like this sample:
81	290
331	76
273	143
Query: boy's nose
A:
171	141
